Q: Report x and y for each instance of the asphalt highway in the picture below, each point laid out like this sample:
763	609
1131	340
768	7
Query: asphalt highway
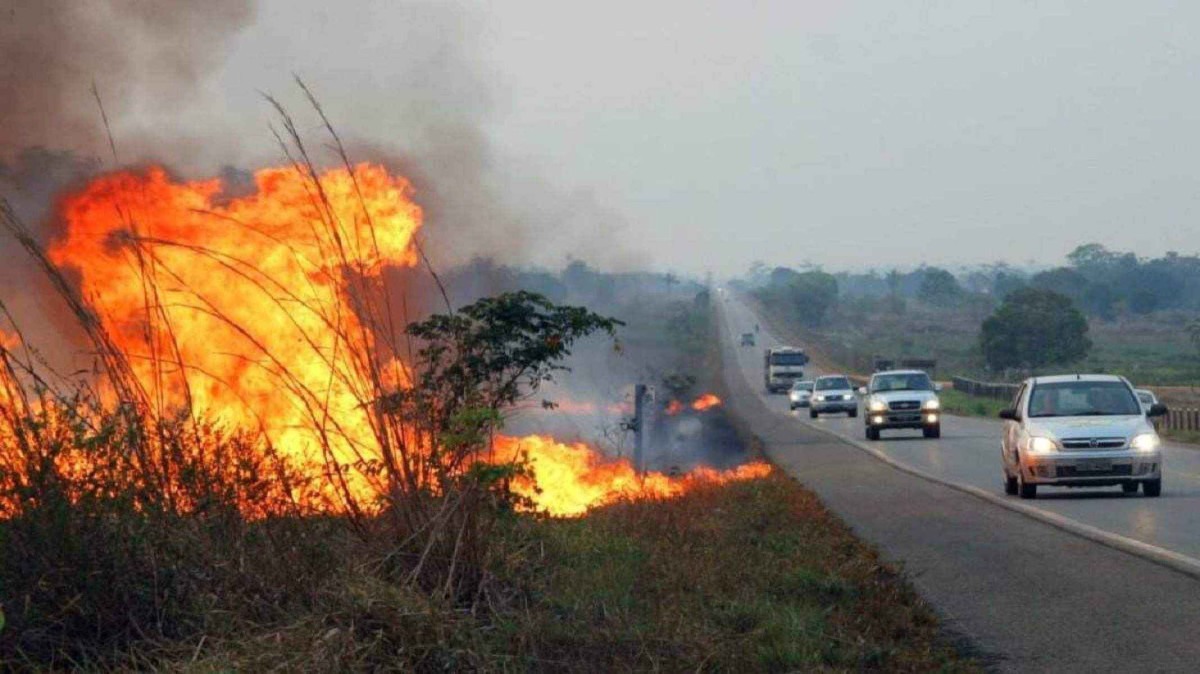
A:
1026	595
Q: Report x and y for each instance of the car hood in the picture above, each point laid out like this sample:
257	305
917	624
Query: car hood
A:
896	396
1065	428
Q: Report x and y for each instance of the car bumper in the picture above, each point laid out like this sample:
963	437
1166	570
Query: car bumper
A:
1097	469
834	405
903	419
799	402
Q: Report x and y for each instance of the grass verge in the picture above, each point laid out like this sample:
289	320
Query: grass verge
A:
965	404
752	576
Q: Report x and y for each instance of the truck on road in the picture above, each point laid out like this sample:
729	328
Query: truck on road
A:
782	366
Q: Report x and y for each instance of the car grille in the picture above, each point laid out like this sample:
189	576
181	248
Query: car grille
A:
1116	471
904	405
1093	443
832	399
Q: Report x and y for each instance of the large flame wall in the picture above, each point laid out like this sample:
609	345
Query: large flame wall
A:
250	309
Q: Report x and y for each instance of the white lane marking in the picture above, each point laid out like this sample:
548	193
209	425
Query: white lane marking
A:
1169	558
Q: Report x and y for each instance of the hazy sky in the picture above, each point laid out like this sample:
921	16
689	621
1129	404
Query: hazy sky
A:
703	136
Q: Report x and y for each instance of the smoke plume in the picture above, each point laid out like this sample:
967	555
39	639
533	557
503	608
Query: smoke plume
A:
139	56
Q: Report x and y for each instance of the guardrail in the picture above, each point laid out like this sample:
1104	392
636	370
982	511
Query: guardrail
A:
1179	420
985	389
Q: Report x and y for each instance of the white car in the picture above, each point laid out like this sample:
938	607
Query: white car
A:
1146	398
832	393
1080	431
901	399
801	394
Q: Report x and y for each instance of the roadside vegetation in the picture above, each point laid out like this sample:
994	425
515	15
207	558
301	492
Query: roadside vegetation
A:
1142	317
755	576
965	404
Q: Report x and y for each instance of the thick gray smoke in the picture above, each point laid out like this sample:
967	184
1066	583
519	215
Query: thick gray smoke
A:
139	55
441	94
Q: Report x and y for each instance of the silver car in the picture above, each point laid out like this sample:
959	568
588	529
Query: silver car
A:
832	393
801	394
1146	398
1080	431
902	399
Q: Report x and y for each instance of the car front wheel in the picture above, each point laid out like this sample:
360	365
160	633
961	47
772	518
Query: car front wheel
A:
1024	489
853	414
1152	488
872	433
1010	485
812	414
933	431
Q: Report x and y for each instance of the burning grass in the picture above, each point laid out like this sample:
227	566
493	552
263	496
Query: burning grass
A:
255	376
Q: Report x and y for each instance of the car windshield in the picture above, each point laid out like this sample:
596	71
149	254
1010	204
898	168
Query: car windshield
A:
833	384
913	381
788	359
802	386
1082	399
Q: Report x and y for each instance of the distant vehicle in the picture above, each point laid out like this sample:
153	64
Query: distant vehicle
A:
1146	398
782	366
833	393
1080	431
800	394
901	399
747	339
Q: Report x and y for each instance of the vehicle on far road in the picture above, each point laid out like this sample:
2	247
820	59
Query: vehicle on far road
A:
800	394
1146	398
1080	431
747	339
901	399
782	366
832	393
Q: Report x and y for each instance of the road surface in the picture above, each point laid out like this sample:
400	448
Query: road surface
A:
1028	596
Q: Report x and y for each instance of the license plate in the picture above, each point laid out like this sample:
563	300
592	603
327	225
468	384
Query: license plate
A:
1093	466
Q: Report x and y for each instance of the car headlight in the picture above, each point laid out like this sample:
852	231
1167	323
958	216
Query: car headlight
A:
878	406
1042	445
820	398
1146	442
932	404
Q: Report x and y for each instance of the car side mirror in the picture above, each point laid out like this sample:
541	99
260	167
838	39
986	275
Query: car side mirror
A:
1009	413
862	390
1157	410
937	386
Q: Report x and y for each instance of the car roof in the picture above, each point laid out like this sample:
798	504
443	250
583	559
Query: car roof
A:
833	376
901	372
1060	378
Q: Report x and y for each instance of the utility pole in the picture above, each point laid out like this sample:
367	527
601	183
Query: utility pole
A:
639	427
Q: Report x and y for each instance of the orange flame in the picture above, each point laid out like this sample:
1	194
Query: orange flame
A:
252	311
701	404
253	316
569	480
